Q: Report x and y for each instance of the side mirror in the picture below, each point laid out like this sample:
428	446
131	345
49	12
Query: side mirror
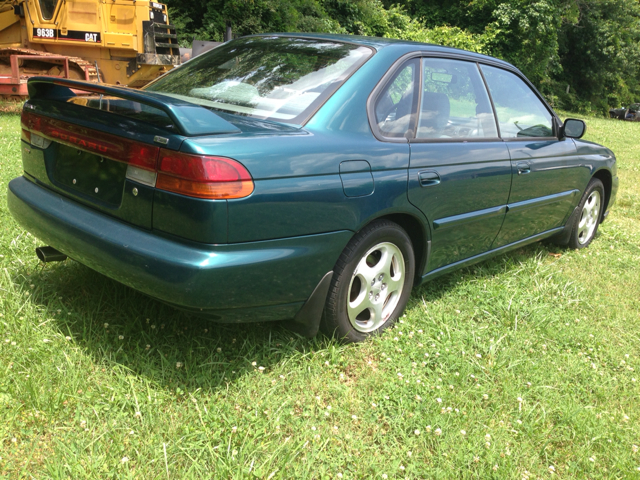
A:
574	128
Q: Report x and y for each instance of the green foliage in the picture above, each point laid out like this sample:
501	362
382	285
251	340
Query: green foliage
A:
600	54
592	46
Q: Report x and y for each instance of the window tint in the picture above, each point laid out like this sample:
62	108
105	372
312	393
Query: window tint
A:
520	112
47	8
454	102
395	107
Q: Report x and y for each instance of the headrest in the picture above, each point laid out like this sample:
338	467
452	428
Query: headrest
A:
435	111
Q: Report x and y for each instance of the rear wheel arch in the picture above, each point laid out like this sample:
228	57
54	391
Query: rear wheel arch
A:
606	178
418	233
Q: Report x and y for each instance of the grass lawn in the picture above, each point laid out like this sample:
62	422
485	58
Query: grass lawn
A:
526	366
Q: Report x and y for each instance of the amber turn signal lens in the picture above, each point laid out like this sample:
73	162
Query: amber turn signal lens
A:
203	176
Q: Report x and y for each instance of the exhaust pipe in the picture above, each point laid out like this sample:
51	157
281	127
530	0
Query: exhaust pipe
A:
50	254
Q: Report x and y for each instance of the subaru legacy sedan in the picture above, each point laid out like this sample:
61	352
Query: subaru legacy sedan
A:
308	178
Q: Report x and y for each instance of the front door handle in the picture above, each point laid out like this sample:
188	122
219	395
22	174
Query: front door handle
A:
523	168
427	179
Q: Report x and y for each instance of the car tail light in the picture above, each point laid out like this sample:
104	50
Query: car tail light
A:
198	176
202	176
104	144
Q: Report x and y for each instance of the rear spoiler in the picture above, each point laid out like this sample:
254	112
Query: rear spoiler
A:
189	119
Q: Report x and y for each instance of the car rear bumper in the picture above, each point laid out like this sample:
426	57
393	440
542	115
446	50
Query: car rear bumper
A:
235	282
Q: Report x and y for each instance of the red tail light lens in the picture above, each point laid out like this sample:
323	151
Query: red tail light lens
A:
202	176
93	141
192	175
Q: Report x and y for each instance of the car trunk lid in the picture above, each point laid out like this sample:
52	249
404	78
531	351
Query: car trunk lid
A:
106	151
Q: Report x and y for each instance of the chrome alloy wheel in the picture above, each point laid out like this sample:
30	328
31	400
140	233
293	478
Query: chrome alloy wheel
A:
375	287
589	217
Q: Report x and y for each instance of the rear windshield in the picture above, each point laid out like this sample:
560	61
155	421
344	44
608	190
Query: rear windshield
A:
277	78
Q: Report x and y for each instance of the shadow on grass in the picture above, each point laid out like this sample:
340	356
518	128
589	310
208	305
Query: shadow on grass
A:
175	350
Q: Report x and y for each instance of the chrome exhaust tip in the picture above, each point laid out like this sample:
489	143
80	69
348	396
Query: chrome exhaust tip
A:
50	254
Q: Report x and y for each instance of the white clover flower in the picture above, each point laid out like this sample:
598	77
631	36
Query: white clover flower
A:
106	325
428	429
592	459
463	432
401	467
476	459
261	368
234	429
313	428
121	337
409	454
138	414
417	432
218	349
438	431
179	364
384	475
439	400
478	355
67	338
552	468
253	363
495	468
328	407
487	444
485	397
124	459
634	448
147	347
354	417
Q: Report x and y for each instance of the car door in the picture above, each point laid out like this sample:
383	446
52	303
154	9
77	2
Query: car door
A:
546	170
460	170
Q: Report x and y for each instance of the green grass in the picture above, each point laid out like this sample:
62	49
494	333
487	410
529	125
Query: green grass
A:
535	355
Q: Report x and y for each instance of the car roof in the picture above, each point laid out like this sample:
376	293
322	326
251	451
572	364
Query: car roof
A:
379	43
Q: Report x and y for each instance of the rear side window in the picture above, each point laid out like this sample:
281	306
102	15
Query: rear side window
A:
454	104
396	105
520	111
277	78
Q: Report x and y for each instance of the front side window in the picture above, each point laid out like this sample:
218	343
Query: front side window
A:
47	8
455	104
520	112
277	78
396	105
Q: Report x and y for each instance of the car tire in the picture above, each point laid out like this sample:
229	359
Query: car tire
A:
585	224
371	282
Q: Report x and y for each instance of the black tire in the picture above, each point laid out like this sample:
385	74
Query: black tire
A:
376	245
582	234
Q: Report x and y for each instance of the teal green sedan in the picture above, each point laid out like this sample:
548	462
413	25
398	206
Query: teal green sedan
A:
310	178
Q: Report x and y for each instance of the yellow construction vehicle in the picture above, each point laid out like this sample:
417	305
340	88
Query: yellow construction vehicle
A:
120	42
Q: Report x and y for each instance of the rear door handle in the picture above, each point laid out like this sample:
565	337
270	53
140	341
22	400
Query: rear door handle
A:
523	168
428	179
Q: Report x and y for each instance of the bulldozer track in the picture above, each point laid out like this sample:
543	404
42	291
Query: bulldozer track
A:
80	63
